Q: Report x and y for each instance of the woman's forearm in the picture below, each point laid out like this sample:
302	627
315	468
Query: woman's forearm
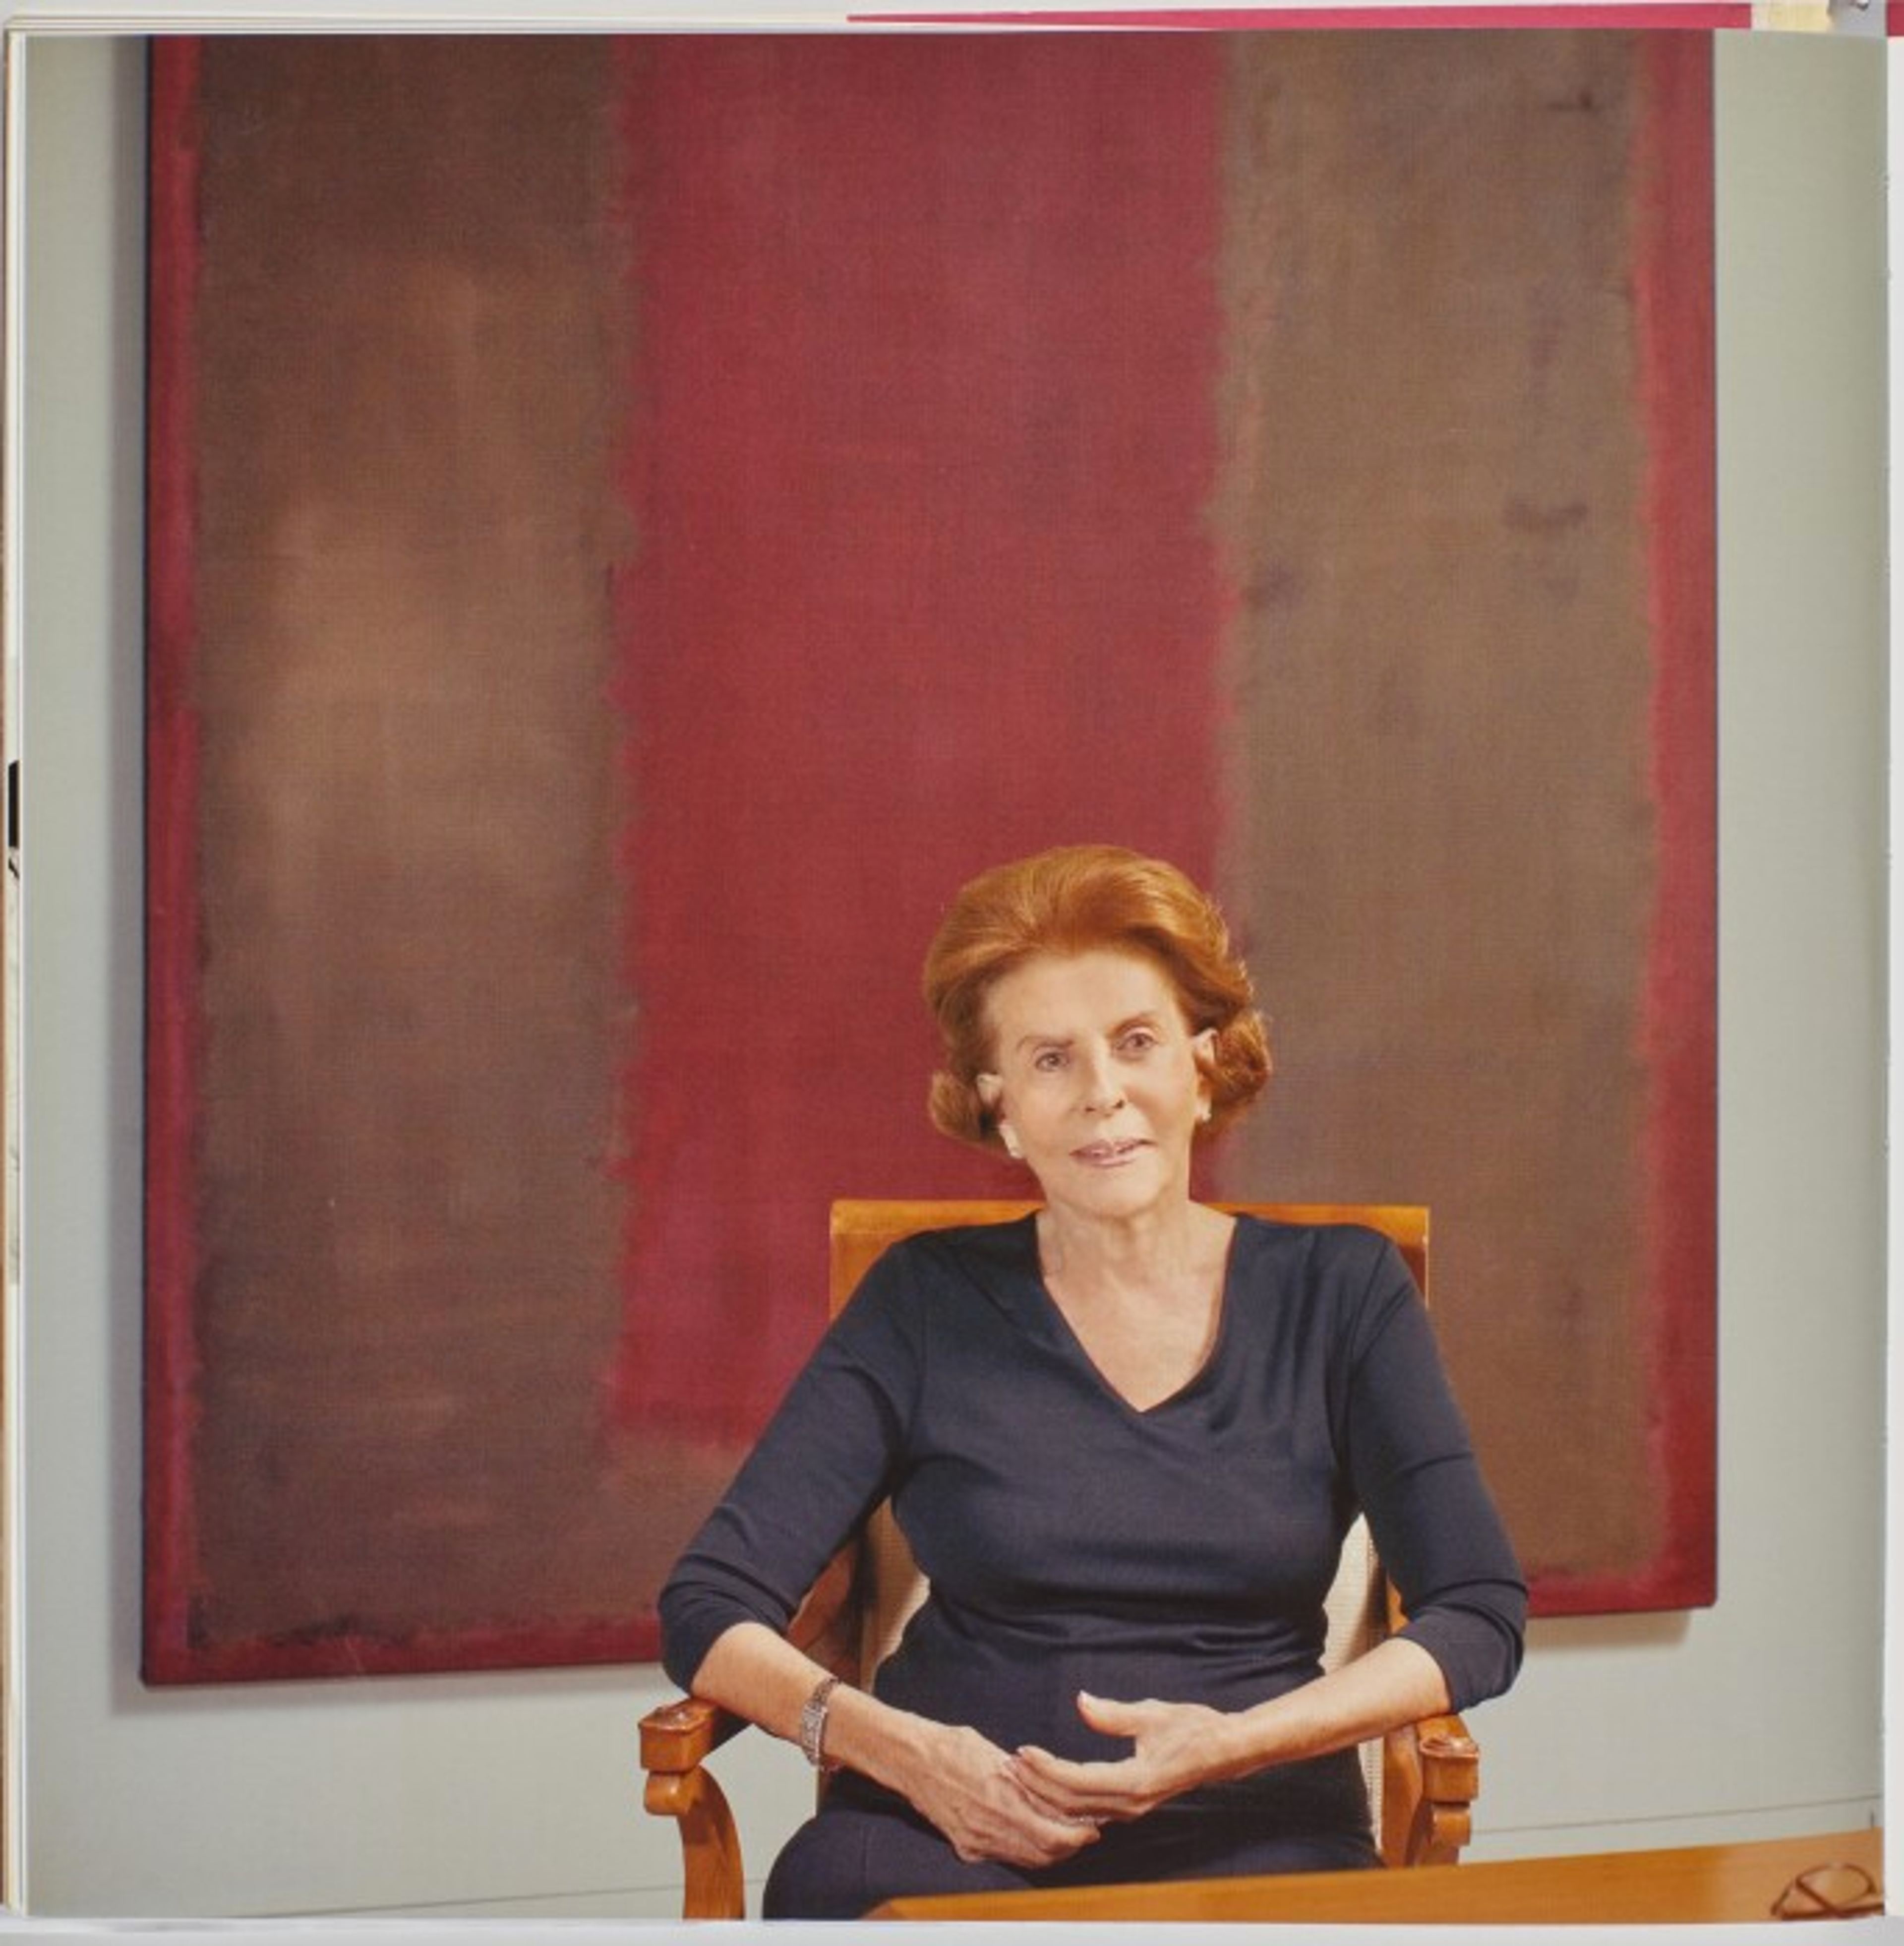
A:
762	1676
1397	1682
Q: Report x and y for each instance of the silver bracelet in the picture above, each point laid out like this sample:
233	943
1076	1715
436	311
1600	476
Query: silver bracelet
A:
813	1723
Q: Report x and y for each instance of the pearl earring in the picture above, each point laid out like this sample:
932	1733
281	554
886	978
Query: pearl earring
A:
1010	1142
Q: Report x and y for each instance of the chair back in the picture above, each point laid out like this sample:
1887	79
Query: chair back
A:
888	1586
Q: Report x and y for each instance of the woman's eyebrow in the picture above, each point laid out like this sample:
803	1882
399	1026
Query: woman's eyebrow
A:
1037	1039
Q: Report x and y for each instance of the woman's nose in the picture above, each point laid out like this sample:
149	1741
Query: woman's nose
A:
1103	1092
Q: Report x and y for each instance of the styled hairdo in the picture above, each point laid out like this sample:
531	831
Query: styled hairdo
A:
1079	898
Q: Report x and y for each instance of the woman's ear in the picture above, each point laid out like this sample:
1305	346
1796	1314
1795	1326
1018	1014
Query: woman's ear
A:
1203	1051
992	1092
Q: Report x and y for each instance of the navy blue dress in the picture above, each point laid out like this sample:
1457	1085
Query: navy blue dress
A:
1073	1542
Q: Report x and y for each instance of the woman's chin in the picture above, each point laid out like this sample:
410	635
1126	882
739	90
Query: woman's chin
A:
1140	1181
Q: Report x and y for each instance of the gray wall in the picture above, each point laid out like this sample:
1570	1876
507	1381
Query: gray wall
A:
515	1794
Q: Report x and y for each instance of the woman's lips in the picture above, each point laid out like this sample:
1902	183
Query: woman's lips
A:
1106	1155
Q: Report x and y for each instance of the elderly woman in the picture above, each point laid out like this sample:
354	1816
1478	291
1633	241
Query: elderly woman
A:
1125	1438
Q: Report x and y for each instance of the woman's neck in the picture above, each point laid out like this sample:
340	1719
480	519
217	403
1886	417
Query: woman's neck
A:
1149	1250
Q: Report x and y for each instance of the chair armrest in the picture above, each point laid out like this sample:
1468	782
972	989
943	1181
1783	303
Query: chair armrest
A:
682	1735
1431	1774
678	1737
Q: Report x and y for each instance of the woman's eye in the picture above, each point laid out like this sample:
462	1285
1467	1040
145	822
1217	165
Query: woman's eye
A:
1142	1042
1049	1062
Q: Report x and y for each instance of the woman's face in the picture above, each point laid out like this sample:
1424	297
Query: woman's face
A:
1097	1082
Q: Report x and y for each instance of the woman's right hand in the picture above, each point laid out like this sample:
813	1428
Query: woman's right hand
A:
963	1782
966	1785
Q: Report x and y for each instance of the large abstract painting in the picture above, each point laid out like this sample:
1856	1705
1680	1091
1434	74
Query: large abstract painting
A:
635	522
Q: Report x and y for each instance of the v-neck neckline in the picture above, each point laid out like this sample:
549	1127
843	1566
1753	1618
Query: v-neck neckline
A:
1054	1315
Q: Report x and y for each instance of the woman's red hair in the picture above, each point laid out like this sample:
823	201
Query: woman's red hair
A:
1083	898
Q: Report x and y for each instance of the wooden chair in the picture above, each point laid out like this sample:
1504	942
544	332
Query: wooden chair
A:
1421	1779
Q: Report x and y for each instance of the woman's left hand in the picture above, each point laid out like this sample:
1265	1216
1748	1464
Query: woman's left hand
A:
1176	1746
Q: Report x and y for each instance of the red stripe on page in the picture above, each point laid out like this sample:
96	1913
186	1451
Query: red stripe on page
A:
1697	16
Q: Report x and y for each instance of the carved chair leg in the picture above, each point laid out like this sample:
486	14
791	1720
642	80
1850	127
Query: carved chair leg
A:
1439	1832
710	1843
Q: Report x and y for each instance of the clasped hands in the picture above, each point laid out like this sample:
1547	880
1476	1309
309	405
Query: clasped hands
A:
1029	1808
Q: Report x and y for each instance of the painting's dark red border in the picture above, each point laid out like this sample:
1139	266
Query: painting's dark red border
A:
424	1652
171	878
1673	298
1675	307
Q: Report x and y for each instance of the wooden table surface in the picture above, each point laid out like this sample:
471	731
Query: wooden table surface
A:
1734	1883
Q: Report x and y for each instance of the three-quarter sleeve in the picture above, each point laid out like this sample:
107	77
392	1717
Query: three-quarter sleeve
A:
1412	1464
824	1461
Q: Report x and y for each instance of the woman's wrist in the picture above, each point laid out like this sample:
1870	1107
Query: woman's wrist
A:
1244	1741
813	1714
874	1738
